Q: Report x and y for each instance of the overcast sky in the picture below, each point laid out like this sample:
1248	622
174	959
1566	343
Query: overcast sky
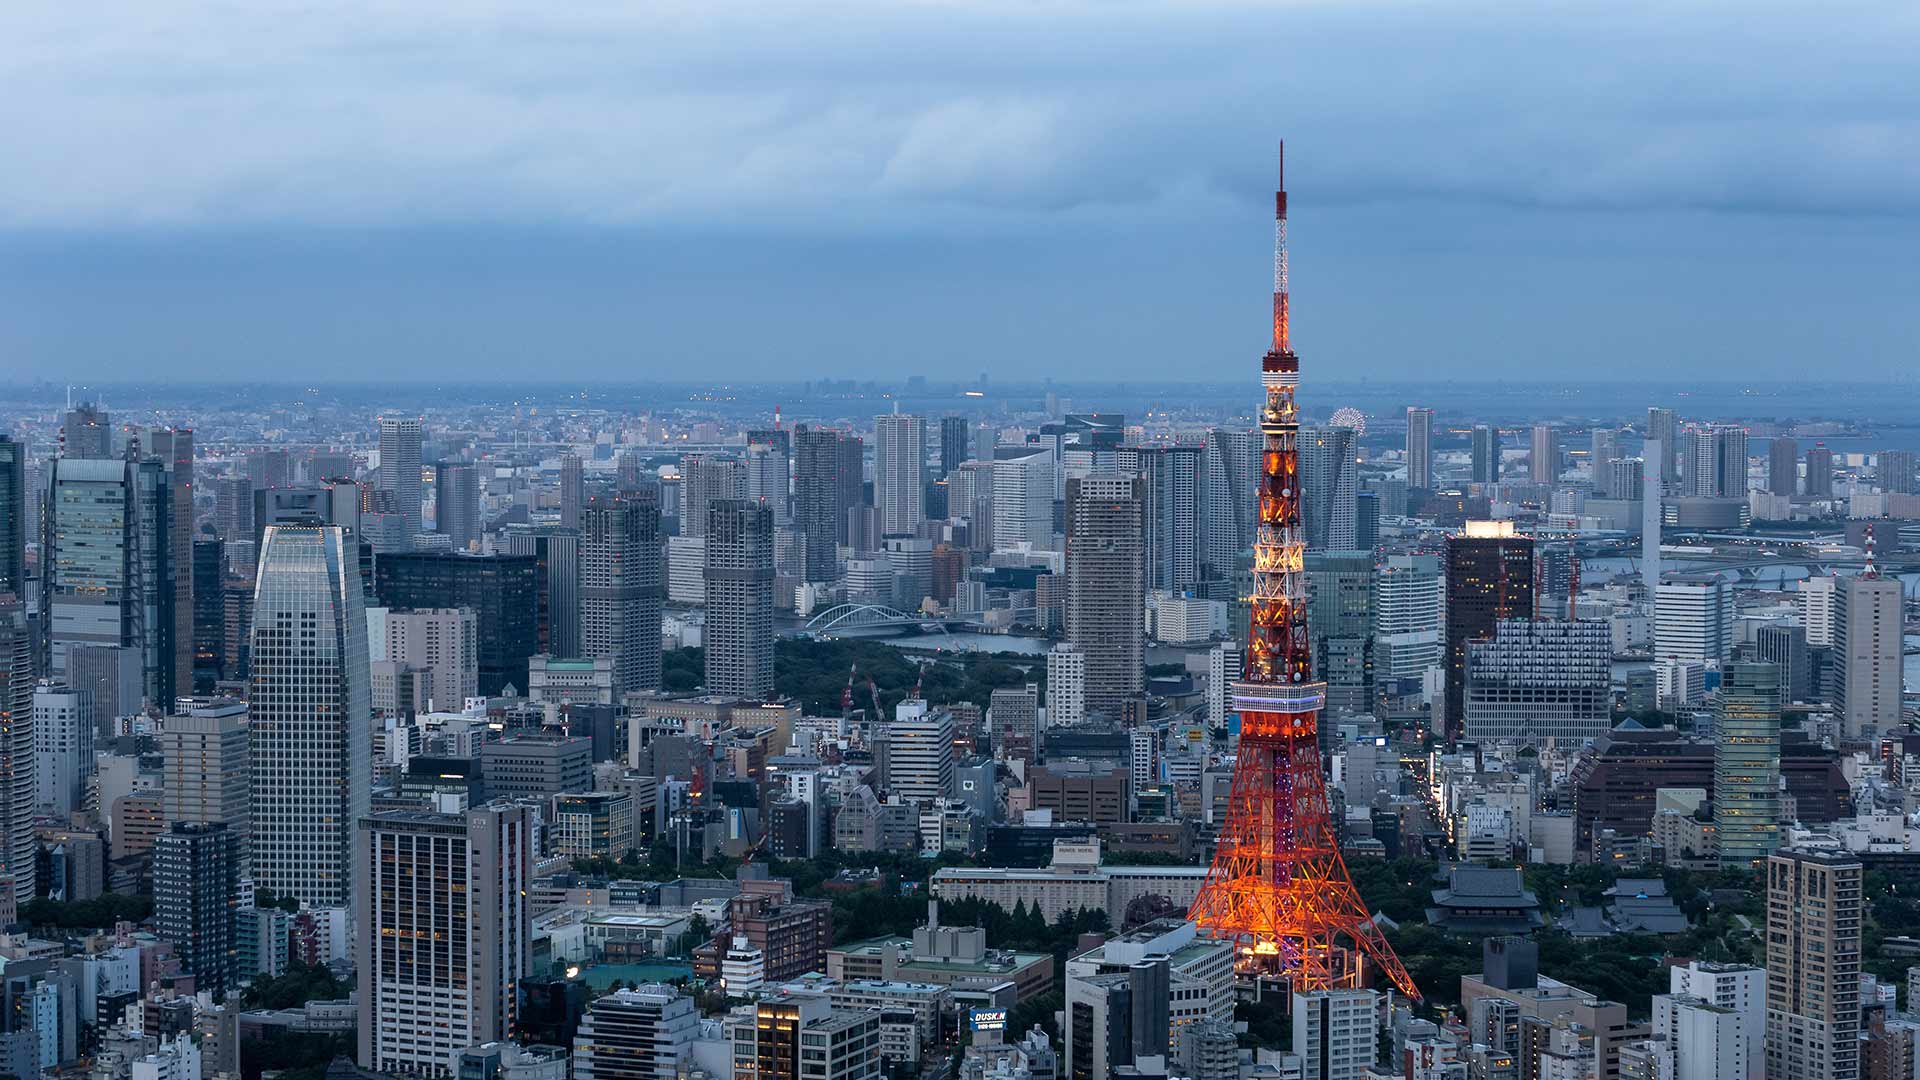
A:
763	188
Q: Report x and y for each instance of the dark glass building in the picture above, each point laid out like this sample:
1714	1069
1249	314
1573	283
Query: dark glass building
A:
1489	577
502	590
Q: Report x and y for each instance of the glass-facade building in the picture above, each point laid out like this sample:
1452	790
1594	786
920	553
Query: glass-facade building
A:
1746	763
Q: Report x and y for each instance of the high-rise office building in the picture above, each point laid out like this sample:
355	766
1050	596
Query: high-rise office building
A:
155	529
1537	679
86	432
1819	482
1816	597
196	900
91	583
503	592
573	490
1340	618
1786	647
269	468
233	508
1489	577
1664	426
826	489
1692	620
310	714
172	448
622	584
422	659
920	752
640	1034
900	472
14	497
444	932
399	475
1783	466
1604	452
1717	461
706	479
955	444
1814	909
1329	488
1485	454
1233	463
62	749
1105	587
767	482
205	770
456	500
970	500
1409	608
556	554
1066	685
1172	480
1893	469
739	592
1746	764
1023	501
1420	448
18	844
209	614
1868	641
1543	461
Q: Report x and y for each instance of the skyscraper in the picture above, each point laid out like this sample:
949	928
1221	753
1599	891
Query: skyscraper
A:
1409	614
1867	636
444	932
205	770
1340	619
1894	471
1746	764
1420	448
707	479
622	582
1783	465
400	468
1023	501
1692	620
13	517
1717	461
502	590
1664	426
1605	451
63	748
1232	467
90	552
739	591
456	498
172	447
900	472
954	443
1814	908
310	714
86	432
1066	685
1171	481
826	487
1819	472
1543	463
1489	578
1105	587
767	483
573	490
18	845
1486	454
196	900
1329	488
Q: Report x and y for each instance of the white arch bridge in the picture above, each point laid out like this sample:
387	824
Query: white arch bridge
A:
846	618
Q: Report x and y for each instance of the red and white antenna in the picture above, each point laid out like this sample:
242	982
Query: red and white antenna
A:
1871	571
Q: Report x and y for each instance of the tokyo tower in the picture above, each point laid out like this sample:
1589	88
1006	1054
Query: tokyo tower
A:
1278	887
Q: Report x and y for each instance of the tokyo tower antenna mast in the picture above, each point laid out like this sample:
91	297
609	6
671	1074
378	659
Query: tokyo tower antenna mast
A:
1278	887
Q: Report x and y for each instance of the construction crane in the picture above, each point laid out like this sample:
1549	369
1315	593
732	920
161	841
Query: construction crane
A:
878	714
846	696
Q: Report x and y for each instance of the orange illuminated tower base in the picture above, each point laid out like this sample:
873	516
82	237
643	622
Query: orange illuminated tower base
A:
1278	887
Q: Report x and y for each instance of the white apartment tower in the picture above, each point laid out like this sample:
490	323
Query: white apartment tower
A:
1066	684
900	473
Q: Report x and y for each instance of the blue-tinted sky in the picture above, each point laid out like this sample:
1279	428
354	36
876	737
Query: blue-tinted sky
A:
755	189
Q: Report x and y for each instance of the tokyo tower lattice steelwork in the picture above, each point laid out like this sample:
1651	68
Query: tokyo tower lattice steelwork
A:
1278	887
